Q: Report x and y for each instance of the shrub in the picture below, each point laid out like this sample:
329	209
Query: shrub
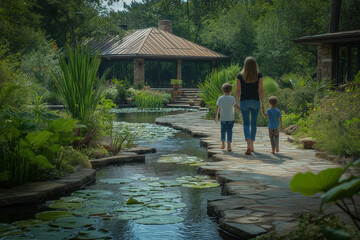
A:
270	86
122	89
298	101
335	123
290	119
176	81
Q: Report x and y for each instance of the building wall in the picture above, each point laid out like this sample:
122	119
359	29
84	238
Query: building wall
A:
139	71
325	61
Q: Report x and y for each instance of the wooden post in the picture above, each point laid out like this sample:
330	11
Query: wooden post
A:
213	66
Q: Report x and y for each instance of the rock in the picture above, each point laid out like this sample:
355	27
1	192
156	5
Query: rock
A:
308	142
245	231
290	130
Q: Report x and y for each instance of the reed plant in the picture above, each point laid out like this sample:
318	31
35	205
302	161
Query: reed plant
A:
78	84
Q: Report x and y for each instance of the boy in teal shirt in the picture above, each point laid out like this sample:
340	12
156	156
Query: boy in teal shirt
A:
274	115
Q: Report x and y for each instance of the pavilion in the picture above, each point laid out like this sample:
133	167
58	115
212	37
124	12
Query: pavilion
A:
156	45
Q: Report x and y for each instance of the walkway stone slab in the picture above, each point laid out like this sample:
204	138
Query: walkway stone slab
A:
259	198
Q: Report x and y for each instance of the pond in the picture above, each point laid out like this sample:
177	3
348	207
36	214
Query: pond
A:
170	198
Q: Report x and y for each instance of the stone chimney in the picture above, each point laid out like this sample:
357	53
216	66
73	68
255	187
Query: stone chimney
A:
165	25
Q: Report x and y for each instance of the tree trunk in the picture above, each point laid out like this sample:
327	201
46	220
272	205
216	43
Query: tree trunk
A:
335	16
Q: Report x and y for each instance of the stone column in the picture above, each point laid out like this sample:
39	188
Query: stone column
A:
139	71
325	61
178	76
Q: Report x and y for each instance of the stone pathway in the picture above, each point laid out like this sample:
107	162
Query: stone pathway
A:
258	199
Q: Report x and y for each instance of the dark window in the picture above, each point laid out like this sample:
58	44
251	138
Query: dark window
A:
348	63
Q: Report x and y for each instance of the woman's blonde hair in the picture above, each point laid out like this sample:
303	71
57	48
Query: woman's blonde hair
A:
250	70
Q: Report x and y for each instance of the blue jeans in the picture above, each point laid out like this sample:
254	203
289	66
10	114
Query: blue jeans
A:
226	128
250	107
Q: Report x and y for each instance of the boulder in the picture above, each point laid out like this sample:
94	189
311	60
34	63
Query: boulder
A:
308	142
290	130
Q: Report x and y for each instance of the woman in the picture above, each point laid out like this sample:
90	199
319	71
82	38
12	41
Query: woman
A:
249	83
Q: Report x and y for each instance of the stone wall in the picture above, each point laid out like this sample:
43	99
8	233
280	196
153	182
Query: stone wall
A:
325	61
139	71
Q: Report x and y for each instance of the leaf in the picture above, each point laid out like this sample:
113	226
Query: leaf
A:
38	139
52	215
63	125
42	162
132	201
334	234
308	184
73	222
344	190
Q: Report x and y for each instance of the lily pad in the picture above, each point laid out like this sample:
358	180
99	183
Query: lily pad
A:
156	212
130	216
60	204
73	199
165	195
166	205
169	183
129	209
30	222
150	179
155	184
93	234
201	184
100	202
159	220
134	194
116	180
52	215
92	211
9	230
48	232
92	193
73	222
180	159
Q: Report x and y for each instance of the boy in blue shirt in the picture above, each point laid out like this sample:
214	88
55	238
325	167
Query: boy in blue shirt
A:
226	105
274	115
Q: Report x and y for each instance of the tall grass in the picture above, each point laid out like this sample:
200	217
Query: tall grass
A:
78	84
148	99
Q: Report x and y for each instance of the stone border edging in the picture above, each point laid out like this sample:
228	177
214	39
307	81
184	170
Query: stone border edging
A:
40	191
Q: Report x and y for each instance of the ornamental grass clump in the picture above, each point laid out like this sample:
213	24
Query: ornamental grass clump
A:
79	87
148	99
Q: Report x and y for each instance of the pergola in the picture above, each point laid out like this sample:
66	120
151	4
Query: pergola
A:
338	54
154	44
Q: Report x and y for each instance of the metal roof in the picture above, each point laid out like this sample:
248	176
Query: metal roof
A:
153	43
337	37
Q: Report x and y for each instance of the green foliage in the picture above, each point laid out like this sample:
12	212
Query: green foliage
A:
29	147
335	188
298	101
121	138
334	123
270	86
69	157
148	99
316	226
79	87
176	81
122	90
211	88
290	119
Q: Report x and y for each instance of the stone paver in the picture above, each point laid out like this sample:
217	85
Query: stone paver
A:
260	199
